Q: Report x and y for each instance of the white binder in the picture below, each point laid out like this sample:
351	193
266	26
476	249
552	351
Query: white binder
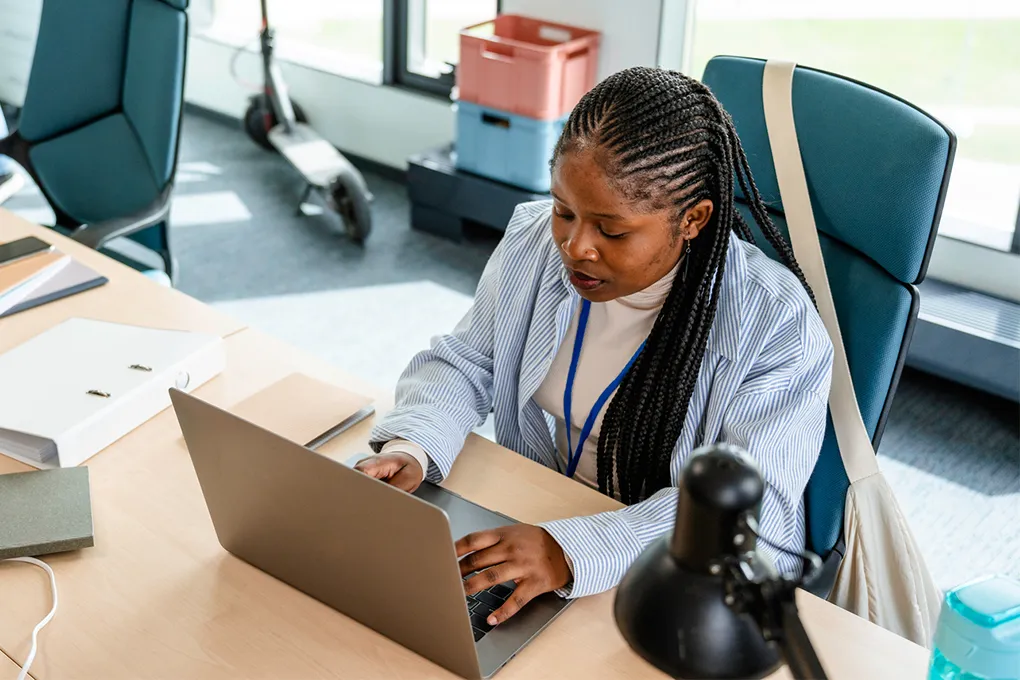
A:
76	388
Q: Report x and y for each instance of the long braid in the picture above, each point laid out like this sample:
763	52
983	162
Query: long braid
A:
666	142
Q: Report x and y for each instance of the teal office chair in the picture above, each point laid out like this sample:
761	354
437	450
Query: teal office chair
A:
100	126
877	171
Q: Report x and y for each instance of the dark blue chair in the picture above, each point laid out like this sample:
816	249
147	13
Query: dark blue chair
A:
877	171
100	126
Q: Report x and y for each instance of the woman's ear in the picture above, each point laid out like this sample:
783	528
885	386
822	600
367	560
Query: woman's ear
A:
696	218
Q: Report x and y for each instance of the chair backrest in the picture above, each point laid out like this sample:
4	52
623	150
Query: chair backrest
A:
102	112
877	171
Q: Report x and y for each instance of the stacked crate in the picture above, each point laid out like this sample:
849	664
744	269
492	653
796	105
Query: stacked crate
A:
518	80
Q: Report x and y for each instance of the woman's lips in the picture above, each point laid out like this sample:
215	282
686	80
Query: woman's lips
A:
582	281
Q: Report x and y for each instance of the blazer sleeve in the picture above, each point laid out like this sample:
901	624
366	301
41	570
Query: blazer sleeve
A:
778	417
447	390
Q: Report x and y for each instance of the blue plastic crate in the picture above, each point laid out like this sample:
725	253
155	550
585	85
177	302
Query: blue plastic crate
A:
505	146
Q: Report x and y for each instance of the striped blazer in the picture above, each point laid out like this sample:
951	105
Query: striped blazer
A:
763	385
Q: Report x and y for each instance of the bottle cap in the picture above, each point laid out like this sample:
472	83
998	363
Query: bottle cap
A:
979	627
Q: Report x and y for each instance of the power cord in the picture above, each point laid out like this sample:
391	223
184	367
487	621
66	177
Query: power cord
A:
35	632
233	67
812	562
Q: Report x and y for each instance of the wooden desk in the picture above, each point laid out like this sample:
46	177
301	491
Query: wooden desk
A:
158	598
9	669
128	297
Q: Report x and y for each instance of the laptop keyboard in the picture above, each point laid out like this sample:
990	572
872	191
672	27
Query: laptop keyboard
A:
483	603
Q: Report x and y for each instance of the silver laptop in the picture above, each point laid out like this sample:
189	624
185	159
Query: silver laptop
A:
373	552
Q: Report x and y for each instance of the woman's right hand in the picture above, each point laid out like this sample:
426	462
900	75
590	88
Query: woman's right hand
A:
401	470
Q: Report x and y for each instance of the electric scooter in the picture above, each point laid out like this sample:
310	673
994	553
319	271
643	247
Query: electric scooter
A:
275	122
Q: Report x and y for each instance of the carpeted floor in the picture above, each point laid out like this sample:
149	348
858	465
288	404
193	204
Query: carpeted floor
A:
951	454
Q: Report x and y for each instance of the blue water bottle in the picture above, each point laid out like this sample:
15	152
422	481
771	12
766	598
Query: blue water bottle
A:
978	635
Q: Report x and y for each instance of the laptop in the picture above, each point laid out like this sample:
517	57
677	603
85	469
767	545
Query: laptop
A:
380	555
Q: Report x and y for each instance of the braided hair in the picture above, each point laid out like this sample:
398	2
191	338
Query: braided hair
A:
664	141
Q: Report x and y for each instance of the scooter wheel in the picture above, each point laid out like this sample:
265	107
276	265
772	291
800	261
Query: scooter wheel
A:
349	196
260	118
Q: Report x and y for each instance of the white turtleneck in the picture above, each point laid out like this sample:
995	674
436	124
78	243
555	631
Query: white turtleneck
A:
615	330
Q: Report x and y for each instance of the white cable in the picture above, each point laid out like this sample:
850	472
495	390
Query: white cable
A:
35	632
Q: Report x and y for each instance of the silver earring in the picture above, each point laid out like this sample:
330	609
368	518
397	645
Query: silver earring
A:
687	261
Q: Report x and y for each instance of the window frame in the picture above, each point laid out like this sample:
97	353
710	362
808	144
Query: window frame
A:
1015	246
397	35
968	264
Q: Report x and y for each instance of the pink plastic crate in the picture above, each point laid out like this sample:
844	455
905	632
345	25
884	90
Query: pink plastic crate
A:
527	66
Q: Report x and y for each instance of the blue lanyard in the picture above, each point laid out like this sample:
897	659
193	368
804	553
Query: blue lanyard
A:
568	393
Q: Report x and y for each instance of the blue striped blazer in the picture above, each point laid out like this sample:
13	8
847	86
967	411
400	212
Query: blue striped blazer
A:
763	385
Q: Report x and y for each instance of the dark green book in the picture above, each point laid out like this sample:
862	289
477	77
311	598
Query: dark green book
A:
45	511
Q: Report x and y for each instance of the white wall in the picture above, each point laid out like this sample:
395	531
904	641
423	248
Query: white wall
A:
383	124
387	124
19	23
630	28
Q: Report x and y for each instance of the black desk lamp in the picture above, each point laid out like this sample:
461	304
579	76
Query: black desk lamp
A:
699	603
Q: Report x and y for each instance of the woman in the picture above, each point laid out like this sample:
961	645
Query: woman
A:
615	330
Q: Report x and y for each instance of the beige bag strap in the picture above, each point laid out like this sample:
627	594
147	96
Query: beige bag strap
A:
777	97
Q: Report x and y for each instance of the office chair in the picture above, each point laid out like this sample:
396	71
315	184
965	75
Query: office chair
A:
100	126
877	171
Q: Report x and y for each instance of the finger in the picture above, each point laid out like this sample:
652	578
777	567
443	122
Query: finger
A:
408	477
376	466
482	559
479	540
501	573
523	594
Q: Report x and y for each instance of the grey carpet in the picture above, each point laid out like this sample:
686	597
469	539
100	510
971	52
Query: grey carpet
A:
951	454
277	252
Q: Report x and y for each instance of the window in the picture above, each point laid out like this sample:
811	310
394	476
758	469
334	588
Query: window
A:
408	42
427	39
955	59
339	36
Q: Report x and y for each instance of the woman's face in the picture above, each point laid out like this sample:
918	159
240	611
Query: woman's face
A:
609	247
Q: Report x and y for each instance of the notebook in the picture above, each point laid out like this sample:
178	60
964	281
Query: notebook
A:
73	279
304	409
19	279
45	511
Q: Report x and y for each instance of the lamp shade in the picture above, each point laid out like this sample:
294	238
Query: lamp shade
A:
671	606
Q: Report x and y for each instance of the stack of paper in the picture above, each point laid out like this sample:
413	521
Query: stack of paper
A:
19	279
73	279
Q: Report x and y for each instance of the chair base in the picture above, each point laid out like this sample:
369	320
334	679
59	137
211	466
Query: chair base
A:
821	584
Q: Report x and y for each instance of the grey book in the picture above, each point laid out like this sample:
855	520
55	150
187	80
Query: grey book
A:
73	279
45	511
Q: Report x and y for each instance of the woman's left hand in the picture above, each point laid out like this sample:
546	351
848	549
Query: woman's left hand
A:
522	553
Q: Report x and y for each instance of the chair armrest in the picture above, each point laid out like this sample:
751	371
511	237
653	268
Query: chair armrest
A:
16	148
97	234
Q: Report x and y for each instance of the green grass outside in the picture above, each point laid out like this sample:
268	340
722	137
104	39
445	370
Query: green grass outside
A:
931	63
363	38
937	62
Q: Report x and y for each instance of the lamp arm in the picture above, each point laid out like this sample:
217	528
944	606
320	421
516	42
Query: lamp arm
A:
772	602
796	646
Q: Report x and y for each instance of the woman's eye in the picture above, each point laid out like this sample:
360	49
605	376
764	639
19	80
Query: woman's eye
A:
563	216
608	235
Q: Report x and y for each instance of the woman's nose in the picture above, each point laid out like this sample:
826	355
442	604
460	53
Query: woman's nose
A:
578	245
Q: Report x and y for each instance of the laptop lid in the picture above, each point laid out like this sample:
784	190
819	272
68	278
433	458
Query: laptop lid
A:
360	546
